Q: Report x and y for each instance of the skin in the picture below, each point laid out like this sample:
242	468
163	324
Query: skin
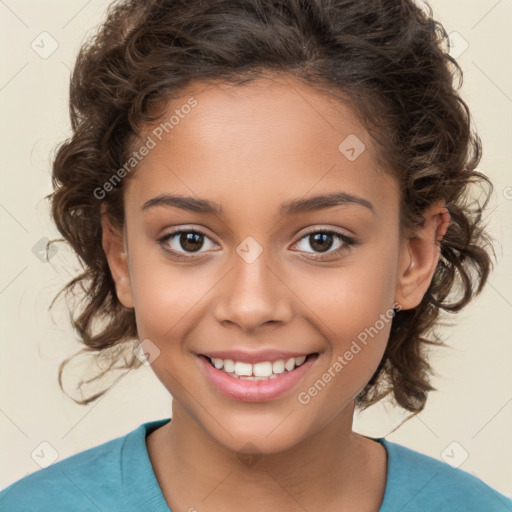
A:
250	148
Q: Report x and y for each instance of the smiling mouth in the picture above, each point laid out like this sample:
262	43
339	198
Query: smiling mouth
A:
264	370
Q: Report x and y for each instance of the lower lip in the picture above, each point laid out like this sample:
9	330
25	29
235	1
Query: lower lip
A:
255	390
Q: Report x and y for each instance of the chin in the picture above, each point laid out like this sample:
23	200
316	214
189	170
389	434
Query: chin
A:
260	435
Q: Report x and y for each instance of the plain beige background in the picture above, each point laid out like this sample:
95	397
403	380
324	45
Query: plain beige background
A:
468	421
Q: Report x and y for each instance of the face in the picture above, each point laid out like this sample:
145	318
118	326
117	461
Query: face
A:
258	268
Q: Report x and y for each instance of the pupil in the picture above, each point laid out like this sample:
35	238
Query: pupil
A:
324	241
191	241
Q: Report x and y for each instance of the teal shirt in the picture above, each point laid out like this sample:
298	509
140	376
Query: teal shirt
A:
118	476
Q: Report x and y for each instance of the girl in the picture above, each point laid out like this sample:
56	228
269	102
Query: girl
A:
271	197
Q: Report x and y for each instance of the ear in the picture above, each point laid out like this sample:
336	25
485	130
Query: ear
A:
114	245
419	255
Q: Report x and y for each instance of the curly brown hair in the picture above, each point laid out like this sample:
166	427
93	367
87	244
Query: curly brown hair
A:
388	58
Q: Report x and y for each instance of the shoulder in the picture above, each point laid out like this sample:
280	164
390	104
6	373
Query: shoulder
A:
85	481
418	482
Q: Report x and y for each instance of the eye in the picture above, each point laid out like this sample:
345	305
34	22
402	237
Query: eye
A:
183	241
323	240
183	244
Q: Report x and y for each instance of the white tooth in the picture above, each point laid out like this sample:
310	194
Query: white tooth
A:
273	376
260	378
290	364
229	366
278	366
300	360
248	378
242	368
218	363
262	369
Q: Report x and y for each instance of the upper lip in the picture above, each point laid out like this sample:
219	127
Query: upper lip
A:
253	357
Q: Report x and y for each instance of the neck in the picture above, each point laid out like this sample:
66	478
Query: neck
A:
322	472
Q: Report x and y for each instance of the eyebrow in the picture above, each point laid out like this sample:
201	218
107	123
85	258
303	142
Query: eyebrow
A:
303	205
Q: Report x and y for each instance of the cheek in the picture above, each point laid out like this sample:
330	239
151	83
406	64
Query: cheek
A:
166	295
351	298
355	307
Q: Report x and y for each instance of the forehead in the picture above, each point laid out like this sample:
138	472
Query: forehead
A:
272	137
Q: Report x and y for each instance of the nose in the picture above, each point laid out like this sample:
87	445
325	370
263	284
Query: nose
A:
252	295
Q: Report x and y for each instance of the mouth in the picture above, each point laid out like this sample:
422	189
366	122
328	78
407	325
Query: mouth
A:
263	370
256	381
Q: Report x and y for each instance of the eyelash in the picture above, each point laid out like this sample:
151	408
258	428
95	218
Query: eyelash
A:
347	241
